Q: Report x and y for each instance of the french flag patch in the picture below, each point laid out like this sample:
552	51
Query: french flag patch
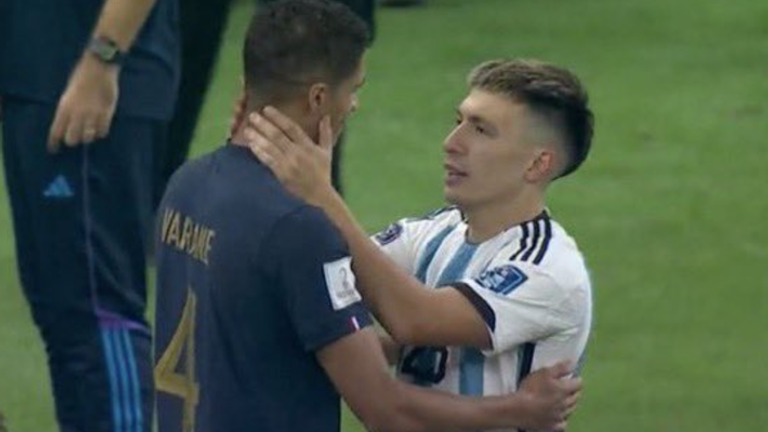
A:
354	323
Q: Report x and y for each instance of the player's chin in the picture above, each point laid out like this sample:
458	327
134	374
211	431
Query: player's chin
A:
451	195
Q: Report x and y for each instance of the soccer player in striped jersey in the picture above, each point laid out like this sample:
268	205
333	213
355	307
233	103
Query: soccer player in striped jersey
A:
508	289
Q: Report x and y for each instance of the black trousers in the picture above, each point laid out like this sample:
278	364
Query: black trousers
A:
202	25
80	218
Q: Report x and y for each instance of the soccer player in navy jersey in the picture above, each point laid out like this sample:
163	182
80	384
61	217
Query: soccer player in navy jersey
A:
259	320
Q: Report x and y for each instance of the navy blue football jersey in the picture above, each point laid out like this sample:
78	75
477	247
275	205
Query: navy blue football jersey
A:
251	281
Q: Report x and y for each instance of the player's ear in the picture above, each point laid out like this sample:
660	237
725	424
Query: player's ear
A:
542	166
318	96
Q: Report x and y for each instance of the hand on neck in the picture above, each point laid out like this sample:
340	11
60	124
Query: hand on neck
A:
240	122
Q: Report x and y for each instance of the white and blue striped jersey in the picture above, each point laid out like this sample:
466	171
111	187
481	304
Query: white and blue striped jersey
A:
530	284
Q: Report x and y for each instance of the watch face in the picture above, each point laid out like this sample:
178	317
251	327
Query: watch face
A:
105	49
106	52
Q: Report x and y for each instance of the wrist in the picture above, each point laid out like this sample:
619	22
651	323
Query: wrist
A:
514	409
323	196
93	65
105	51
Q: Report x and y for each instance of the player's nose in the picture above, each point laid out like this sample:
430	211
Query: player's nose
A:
453	142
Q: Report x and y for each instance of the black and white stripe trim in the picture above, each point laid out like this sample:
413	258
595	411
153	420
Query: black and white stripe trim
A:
534	243
524	363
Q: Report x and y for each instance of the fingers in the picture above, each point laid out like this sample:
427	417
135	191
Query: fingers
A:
570	405
562	369
96	129
257	138
74	128
268	154
572	385
267	129
58	128
89	134
85	129
567	409
74	133
287	126
103	125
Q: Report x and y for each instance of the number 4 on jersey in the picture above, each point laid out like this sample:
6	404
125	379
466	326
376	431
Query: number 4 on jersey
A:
167	376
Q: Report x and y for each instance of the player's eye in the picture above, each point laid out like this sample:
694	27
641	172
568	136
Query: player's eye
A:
480	129
457	120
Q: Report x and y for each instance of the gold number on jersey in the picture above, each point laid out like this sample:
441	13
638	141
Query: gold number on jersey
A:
181	384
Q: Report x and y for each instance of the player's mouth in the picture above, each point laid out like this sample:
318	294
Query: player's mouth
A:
453	174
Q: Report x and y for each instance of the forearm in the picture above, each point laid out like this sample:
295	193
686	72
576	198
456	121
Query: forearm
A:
395	298
391	349
121	20
356	366
426	410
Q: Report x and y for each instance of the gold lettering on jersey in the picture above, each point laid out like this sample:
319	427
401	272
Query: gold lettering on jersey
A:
186	233
173	231
181	232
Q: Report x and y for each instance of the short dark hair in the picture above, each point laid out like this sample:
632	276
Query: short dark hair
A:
550	91
295	42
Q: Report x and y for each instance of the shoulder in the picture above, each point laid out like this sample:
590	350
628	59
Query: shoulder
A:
563	270
420	227
545	245
305	229
545	250
564	259
241	193
189	173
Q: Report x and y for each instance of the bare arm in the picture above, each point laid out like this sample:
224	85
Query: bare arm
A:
411	313
121	20
88	103
356	366
391	349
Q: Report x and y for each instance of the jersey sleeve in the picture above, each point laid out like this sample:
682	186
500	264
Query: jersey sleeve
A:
521	302
314	279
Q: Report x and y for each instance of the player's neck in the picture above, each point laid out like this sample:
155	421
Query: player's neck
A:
295	111
238	138
488	220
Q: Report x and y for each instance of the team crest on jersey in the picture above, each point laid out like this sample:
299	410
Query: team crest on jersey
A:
392	233
502	280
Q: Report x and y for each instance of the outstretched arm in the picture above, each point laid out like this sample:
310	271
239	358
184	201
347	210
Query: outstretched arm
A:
411	313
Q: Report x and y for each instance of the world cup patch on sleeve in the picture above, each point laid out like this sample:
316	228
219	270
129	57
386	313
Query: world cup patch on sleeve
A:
340	282
503	279
392	233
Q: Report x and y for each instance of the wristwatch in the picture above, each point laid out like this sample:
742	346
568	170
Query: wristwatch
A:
106	50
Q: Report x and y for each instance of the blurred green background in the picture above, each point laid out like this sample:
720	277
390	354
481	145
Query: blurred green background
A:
670	209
